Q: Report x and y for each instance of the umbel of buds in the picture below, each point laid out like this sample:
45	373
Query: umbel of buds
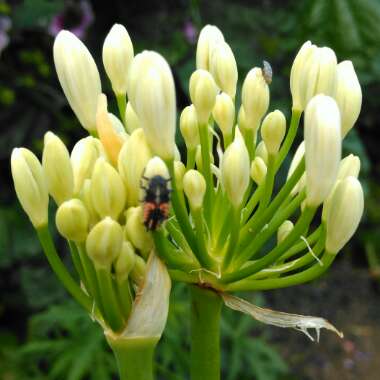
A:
132	212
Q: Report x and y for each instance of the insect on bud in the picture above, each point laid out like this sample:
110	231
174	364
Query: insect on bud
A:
194	186
188	124
224	113
258	170
284	230
273	131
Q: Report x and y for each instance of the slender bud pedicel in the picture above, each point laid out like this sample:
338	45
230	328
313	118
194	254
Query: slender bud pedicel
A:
117	57
57	168
152	96
224	113
322	148
72	220
30	185
79	77
344	214
273	131
194	186
188	124
348	95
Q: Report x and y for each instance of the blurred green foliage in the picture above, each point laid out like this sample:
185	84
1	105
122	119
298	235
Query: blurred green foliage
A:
42	332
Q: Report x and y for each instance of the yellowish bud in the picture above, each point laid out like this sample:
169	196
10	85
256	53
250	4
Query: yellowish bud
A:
203	93
104	243
284	230
188	124
57	168
79	77
133	158
258	170
107	190
255	97
179	172
209	36
135	231
198	158
125	262
242	120
152	95
117	57
344	214
235	170
30	185
322	148
132	121
86	198
349	167
139	271
262	152
273	131
72	220
194	186
348	95
224	113
224	69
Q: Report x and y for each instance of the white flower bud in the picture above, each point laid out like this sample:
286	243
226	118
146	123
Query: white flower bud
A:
224	113
179	172
344	214
273	131
30	185
262	152
209	36
255	97
348	95
132	121
188	124
125	262
194	186
79	77
298	156
284	230
203	91
152	95
349	167
117	57
235	170
322	147
258	170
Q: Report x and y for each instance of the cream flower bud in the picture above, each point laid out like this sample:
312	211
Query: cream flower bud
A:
107	190
156	166
139	271
273	131
348	95
258	170
83	157
79	77
322	148
349	167
125	262
188	124
179	172
86	198
72	220
57	168
198	158
298	156
224	69
242	120
255	97
203	93
344	214
104	243
30	185
262	152
152	95
117	57
224	113
132	121
235	170
135	231
133	157
284	230
209	36
194	186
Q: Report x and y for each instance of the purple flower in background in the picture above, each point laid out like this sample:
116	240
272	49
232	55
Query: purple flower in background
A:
76	17
5	25
190	32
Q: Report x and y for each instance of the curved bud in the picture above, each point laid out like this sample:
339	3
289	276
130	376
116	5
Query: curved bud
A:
273	131
255	97
224	113
349	167
107	190
322	147
57	168
179	172
152	95
203	93
235	170
344	214
298	156
132	121
258	170
86	198
348	95
30	185
104	242
139	270
125	262
224	69
242	120
262	152
194	186
117	57
209	36
79	77
198	158
284	230
72	220
188	123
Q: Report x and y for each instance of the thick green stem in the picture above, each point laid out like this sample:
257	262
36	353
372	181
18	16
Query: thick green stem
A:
206	307
134	357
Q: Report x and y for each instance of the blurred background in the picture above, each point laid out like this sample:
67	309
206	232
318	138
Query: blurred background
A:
43	334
